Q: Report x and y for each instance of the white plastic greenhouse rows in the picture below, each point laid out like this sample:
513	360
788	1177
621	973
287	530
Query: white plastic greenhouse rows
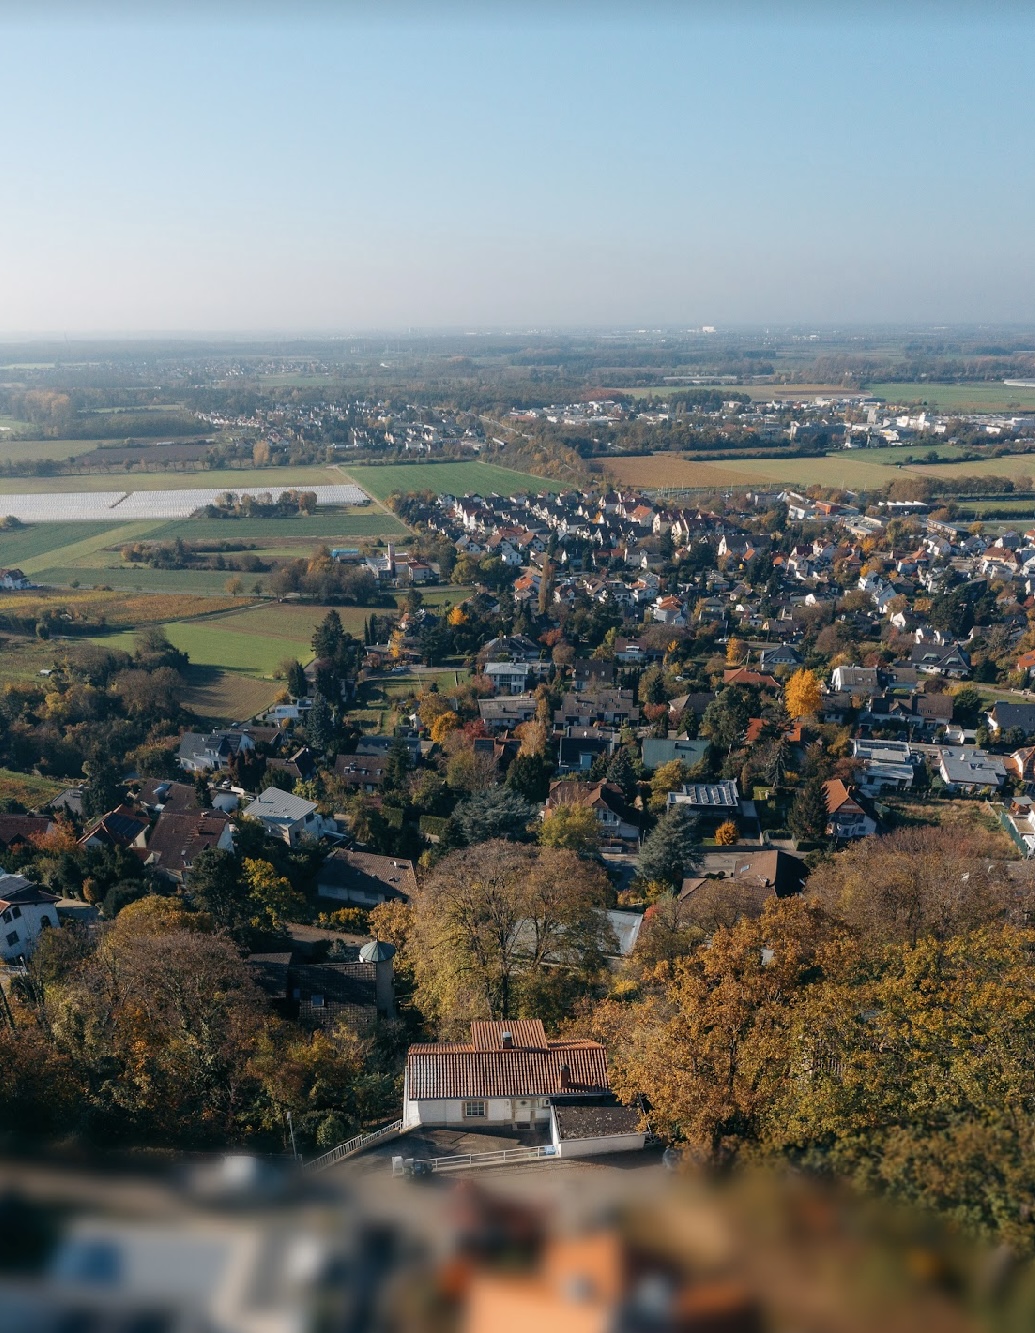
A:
128	505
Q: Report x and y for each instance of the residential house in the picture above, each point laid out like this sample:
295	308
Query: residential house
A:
13	580
783	655
25	911
121	827
940	660
1006	716
743	676
668	610
23	830
320	995
300	767
361	772
971	770
887	765
509	1075
178	839
611	708
655	752
579	746
364	880
507	677
205	752
286	816
847	812
604	798
505	713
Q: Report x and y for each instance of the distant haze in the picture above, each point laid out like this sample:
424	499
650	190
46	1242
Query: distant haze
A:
656	165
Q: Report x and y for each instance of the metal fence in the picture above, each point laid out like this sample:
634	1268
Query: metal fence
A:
352	1146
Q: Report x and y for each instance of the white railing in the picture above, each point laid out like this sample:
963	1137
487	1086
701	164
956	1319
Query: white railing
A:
353	1145
471	1160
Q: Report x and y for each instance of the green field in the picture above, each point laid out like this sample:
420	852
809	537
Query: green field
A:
1016	465
983	397
16	450
271	479
141	578
22	546
446	479
95	551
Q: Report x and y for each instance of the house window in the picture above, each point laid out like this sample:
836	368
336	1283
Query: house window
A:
474	1110
13	937
15	913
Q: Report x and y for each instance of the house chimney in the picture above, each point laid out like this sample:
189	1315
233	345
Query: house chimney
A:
565	1076
507	1040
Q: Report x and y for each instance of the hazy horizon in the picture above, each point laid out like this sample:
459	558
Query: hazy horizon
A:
350	173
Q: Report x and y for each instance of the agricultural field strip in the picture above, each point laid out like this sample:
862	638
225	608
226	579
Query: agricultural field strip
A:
63	506
78	553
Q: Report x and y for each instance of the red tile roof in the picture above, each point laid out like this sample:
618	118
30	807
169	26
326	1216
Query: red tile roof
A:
485	1068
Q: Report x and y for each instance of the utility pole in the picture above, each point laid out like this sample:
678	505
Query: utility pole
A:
291	1131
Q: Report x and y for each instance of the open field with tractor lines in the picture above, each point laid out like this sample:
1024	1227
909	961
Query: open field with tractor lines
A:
446	478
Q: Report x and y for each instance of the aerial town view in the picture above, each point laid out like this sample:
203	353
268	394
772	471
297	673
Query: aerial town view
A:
517	672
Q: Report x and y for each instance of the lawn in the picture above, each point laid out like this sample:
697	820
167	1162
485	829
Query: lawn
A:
272	479
983	397
30	790
446	479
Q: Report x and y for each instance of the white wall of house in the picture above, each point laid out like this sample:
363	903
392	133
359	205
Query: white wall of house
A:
514	1112
594	1147
19	933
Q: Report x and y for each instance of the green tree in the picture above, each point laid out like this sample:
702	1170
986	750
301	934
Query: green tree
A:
967	706
319	725
529	775
498	812
621	772
809	817
272	902
215	886
489	918
298	686
670	851
571	826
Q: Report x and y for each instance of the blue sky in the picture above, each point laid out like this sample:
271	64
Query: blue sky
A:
562	166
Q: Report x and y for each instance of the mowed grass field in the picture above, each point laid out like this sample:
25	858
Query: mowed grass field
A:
989	397
88	553
1015	465
235	654
446	479
14	449
22	545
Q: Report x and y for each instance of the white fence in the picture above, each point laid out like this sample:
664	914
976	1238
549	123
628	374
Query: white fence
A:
355	1145
472	1160
127	506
